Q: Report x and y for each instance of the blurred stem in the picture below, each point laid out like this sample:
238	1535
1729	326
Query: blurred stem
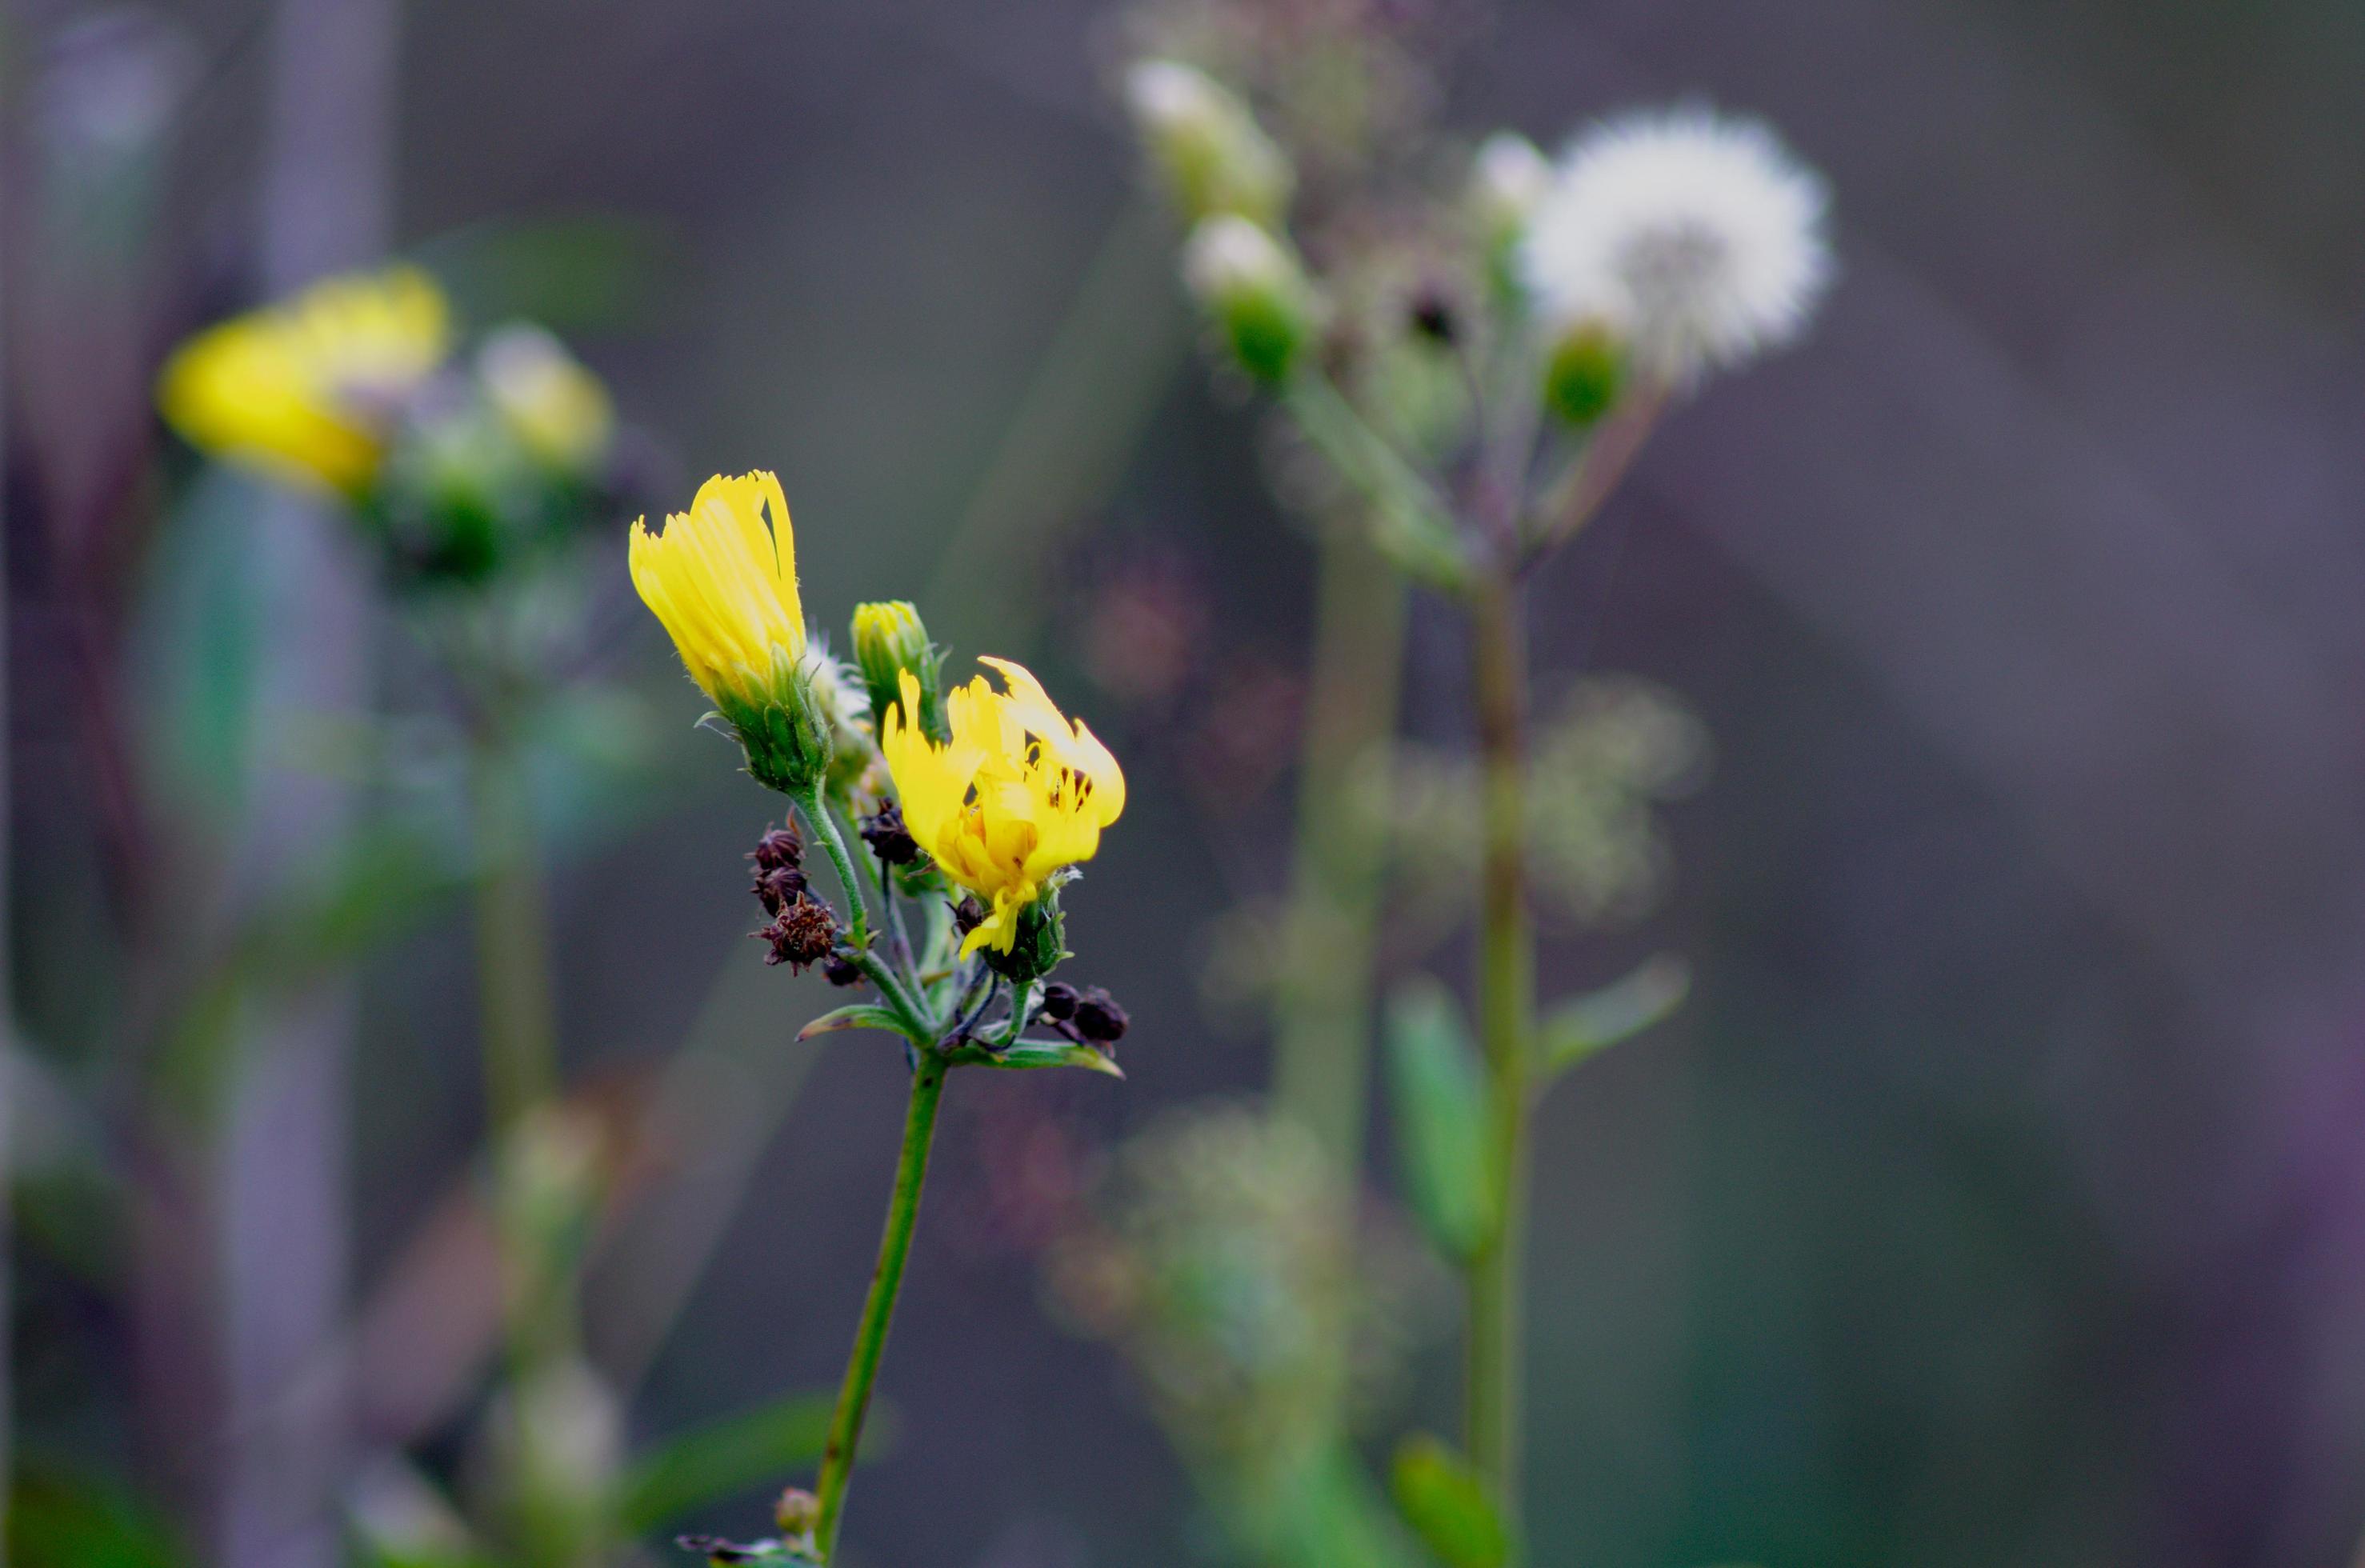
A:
1507	1006
878	1308
1608	451
518	1022
1409	521
1323	1009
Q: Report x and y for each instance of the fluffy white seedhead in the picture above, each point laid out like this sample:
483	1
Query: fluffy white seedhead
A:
1696	240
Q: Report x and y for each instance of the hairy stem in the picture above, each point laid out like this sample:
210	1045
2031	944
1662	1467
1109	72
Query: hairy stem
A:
1322	1013
878	1308
1507	1008
825	827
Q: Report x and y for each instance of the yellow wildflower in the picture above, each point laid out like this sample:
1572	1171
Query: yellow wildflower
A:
1018	795
723	578
301	390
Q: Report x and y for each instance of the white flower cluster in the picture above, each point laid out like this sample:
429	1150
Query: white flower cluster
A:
1694	241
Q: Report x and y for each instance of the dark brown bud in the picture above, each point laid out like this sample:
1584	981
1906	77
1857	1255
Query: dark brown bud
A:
1430	314
779	888
969	915
888	837
1099	1019
803	934
839	969
779	847
1058	1001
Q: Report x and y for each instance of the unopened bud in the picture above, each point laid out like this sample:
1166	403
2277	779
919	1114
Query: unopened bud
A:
1508	176
1254	291
1584	371
1099	1019
780	846
1058	1002
1213	155
888	837
797	1512
889	639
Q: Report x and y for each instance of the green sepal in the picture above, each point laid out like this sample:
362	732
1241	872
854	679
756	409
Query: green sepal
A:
859	1015
1583	375
1449	1504
1584	1025
785	730
1444	1151
1036	948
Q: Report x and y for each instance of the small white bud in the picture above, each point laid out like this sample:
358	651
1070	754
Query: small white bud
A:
1254	289
1507	178
1207	145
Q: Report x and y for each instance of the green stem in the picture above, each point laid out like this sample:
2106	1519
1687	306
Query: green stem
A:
825	827
879	1308
1507	1008
518	1022
1322	1013
1409	522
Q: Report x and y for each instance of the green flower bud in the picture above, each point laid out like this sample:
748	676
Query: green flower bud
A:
1254	291
1583	372
889	639
1214	156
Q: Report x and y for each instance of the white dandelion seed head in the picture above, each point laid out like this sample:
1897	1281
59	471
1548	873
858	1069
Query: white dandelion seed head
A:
1697	240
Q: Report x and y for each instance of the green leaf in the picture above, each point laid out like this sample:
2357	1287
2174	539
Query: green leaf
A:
1027	1054
707	1463
1579	1028
861	1016
1449	1505
1444	1158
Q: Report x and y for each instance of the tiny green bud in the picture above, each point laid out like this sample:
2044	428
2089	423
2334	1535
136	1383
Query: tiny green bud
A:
889	639
1254	291
1585	371
1210	151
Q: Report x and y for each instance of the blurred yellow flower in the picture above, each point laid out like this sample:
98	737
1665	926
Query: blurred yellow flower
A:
301	390
557	410
1018	793
722	577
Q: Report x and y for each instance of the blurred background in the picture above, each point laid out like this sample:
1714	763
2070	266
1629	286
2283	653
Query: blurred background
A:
1998	1197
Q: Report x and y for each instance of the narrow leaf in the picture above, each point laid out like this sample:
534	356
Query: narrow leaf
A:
1578	1028
1449	1505
712	1461
1027	1055
861	1016
1443	1156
